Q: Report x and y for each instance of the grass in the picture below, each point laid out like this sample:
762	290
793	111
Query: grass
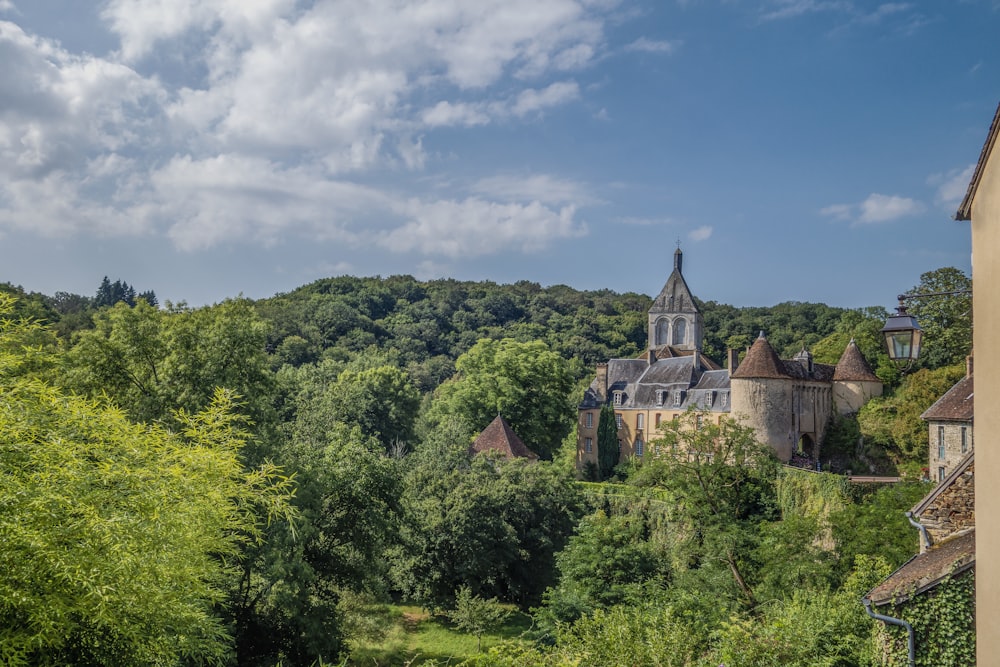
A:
413	637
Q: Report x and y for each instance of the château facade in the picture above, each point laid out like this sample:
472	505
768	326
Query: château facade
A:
788	403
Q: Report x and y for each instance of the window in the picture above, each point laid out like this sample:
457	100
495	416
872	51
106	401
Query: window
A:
658	416
590	420
640	421
677	398
660	397
724	399
965	439
618	419
709	397
698	422
638	446
588	445
941	474
940	442
618	398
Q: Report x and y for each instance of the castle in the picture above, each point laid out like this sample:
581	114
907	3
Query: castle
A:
788	403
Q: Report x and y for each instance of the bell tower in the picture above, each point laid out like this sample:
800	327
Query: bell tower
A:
674	318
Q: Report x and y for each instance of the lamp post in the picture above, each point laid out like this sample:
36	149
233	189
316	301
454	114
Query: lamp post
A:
903	334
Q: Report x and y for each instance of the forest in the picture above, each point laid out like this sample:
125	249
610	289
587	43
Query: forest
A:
270	482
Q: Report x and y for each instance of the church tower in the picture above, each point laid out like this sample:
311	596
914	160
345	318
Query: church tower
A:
674	319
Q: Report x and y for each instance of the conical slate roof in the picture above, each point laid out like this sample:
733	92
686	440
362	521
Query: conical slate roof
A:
761	362
498	436
852	366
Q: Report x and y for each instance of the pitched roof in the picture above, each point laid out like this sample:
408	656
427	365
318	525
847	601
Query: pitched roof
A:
924	571
955	405
852	366
498	436
965	209
761	362
675	297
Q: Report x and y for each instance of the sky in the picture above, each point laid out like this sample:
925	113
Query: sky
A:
797	150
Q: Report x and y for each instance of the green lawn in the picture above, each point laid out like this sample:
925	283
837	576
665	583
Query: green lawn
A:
414	637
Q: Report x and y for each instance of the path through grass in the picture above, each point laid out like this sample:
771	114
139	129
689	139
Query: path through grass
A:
414	637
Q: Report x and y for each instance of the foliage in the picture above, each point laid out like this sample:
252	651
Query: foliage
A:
789	326
876	525
109	293
489	524
118	539
943	621
946	320
525	382
477	615
608	447
893	422
723	482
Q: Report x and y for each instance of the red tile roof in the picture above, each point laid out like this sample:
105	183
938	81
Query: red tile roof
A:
761	362
852	366
498	436
955	405
923	572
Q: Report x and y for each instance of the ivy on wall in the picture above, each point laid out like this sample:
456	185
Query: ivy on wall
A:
943	621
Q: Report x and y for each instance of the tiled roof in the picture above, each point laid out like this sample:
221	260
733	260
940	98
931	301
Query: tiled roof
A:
498	436
948	557
955	405
852	366
761	362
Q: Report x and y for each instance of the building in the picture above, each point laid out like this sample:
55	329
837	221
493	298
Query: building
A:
946	563
981	207
499	437
787	402
949	428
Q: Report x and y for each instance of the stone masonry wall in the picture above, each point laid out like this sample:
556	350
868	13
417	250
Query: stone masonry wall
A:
953	510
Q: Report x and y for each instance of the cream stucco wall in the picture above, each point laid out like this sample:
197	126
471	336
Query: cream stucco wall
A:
851	396
986	343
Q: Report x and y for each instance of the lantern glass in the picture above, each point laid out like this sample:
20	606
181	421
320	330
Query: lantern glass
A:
902	337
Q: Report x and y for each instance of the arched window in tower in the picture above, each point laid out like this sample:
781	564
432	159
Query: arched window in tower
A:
663	332
680	332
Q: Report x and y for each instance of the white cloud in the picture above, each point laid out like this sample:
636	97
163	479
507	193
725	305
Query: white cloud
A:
475	227
538	187
884	208
294	103
952	185
784	9
531	100
645	222
646	45
702	233
7	6
877	208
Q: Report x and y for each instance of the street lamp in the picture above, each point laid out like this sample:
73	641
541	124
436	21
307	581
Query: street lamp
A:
902	333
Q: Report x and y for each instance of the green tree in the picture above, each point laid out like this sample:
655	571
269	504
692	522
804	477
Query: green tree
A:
608	447
946	320
723	482
117	540
477	615
525	382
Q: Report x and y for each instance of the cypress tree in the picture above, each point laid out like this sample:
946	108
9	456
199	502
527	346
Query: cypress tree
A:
607	442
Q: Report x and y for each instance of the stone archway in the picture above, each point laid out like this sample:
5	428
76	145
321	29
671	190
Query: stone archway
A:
807	447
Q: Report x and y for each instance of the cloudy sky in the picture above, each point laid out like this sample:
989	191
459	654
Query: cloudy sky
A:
810	150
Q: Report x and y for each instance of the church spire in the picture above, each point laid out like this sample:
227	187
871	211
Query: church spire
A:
678	258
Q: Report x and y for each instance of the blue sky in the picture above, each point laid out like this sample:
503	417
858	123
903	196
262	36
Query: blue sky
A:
808	150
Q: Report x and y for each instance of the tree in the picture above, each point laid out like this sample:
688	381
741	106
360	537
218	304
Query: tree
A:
525	382
946	320
477	615
608	447
117	540
723	482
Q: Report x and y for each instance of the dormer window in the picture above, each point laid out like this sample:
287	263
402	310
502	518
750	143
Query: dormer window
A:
617	397
709	398
678	397
660	397
724	399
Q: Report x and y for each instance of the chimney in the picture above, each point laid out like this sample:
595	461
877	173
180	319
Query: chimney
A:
651	357
602	382
696	359
968	366
733	360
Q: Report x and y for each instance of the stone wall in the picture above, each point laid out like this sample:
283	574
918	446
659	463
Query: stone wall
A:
953	510
941	466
